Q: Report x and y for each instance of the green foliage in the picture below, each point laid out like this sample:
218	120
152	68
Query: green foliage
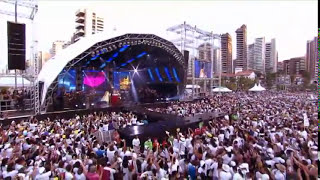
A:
245	83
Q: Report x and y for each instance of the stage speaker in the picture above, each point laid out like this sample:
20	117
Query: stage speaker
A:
186	56
16	46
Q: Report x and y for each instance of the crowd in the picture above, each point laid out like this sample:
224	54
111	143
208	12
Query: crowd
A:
13	99
218	103
268	138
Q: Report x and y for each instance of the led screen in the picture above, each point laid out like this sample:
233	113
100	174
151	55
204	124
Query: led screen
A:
67	80
202	69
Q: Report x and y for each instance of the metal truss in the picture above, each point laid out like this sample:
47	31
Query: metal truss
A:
195	39
112	44
32	5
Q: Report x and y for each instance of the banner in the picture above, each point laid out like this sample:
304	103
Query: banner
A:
306	122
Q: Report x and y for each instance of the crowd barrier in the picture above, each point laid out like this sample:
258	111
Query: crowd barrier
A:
13	105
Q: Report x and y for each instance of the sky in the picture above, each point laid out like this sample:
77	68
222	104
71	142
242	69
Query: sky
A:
291	23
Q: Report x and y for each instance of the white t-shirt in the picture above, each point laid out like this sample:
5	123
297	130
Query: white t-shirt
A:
79	176
136	142
110	154
44	176
68	176
225	175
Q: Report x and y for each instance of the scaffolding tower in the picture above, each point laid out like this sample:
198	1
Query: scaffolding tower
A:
26	9
195	40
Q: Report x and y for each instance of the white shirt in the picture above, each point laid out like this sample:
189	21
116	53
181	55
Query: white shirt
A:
136	142
112	171
68	176
225	175
44	176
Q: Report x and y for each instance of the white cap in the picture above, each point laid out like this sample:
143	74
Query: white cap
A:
232	163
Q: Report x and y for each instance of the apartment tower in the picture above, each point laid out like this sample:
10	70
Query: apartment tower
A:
87	22
226	53
241	61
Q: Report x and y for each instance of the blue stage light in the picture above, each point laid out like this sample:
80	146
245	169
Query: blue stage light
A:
109	60
129	61
175	74
95	57
124	48
123	64
142	54
115	54
168	74
159	75
103	65
150	74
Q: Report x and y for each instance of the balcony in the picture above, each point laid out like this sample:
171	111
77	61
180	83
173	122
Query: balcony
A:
80	12
79	26
80	19
80	32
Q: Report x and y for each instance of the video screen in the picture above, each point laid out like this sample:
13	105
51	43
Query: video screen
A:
202	69
121	80
94	80
67	80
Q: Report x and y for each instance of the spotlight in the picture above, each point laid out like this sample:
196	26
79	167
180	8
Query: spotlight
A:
76	105
84	104
135	70
92	104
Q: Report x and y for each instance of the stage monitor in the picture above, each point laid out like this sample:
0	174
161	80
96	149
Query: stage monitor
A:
94	80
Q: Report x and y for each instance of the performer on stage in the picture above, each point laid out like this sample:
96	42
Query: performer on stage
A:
106	97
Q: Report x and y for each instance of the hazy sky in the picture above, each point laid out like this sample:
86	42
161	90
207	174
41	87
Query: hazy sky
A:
292	23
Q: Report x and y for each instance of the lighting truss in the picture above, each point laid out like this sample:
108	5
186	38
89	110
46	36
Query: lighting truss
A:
194	39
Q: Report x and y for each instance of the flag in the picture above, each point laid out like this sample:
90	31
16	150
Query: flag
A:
306	122
200	124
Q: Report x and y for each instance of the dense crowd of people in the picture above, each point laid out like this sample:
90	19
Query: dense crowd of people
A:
268	136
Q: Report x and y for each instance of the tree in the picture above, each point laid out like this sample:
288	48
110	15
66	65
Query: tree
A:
270	79
245	83
306	78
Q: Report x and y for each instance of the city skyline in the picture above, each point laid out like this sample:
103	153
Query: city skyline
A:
56	20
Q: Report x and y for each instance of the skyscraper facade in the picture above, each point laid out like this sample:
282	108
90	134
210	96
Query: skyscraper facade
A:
259	55
312	58
87	22
271	57
226	53
57	46
241	61
250	56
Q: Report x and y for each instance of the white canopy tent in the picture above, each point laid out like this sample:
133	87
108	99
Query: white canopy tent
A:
221	89
190	86
257	88
9	81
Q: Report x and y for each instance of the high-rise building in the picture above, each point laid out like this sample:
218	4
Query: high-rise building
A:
294	66
57	46
205	52
259	55
271	59
87	22
280	67
241	61
250	56
312	58
43	57
226	53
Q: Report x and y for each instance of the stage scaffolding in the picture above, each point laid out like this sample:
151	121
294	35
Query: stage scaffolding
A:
195	40
26	10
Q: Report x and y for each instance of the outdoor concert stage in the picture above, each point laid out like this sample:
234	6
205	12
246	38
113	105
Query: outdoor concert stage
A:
97	69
